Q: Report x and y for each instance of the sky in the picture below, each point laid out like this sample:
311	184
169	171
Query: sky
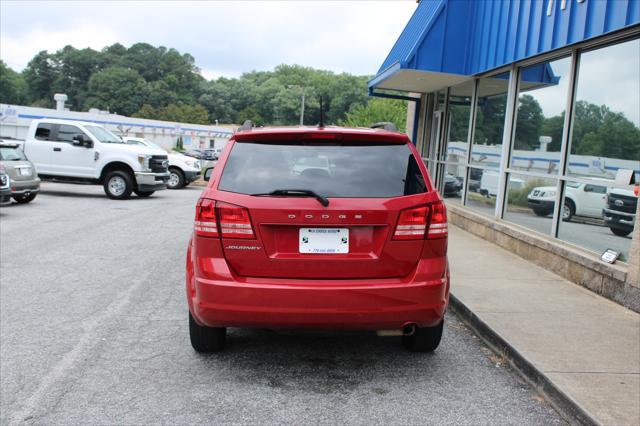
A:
226	38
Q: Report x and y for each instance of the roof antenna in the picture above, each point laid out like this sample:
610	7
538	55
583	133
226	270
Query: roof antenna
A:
321	124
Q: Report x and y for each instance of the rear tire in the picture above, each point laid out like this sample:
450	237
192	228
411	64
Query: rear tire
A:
621	232
22	199
118	185
424	339
176	178
144	194
206	339
568	210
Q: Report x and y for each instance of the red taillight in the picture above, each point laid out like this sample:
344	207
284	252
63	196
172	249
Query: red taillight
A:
205	224
438	227
234	221
412	224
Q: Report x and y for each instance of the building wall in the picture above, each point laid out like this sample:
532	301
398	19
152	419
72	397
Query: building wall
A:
583	75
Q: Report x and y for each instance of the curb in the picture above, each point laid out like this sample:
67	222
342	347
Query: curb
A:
566	406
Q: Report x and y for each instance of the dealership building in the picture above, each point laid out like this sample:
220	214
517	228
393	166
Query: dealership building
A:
527	115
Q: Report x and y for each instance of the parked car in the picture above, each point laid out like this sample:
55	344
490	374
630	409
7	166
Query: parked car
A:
364	247
82	152
5	187
210	154
182	169
452	186
579	200
25	183
620	210
194	153
489	183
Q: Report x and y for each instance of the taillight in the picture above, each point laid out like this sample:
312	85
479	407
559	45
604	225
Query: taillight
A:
234	221
412	224
438	227
205	224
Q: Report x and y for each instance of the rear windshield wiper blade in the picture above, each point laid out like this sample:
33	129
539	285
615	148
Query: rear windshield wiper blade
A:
296	193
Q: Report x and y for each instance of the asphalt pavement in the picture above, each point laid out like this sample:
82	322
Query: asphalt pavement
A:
93	330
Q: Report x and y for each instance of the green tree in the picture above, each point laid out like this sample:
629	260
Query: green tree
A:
13	87
376	110
250	113
528	123
120	90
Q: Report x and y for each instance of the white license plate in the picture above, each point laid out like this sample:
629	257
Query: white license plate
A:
25	171
324	240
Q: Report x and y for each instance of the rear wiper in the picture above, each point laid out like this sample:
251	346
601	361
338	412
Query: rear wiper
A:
296	193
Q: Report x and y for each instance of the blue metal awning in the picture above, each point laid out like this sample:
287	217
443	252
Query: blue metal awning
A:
449	41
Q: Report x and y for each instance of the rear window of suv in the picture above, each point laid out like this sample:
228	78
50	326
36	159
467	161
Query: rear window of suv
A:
355	170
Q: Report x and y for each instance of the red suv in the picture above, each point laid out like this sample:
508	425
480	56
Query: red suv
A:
319	228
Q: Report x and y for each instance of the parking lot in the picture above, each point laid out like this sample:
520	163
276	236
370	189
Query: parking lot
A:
94	330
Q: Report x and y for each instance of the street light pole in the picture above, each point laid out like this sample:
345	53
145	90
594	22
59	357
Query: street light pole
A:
302	109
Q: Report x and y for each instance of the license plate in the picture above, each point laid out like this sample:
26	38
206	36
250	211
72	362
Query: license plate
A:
25	171
324	240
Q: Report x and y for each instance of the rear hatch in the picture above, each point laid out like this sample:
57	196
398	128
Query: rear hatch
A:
16	164
291	234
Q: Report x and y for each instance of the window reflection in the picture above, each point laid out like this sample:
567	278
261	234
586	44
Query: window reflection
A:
458	122
490	114
540	116
606	127
530	202
482	190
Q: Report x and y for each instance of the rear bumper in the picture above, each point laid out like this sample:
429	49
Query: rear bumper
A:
385	304
19	187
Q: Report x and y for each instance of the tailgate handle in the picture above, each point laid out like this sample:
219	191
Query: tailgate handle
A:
57	149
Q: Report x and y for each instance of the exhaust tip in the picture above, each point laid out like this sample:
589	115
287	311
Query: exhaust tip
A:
409	329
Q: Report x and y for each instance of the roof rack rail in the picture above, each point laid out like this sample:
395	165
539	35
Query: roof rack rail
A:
386	125
247	125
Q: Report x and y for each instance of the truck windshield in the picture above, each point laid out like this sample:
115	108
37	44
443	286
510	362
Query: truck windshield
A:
103	135
358	170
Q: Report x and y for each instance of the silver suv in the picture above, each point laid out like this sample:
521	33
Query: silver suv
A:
25	183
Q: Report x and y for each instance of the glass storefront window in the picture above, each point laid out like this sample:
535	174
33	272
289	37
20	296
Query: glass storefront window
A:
606	122
453	181
490	117
482	190
458	122
540	116
583	222
530	202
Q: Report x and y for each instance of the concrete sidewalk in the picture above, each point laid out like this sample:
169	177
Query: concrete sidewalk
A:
583	345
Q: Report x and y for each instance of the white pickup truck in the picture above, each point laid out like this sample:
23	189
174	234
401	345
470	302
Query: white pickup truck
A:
83	152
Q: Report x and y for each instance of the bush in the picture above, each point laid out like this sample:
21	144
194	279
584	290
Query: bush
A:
518	197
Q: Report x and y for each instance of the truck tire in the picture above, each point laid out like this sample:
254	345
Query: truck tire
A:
24	199
176	178
424	339
206	339
568	210
143	194
620	232
118	185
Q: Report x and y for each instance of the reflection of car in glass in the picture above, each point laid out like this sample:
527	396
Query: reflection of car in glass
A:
5	187
489	183
452	186
620	210
364	247
580	199
182	169
25	182
311	165
475	175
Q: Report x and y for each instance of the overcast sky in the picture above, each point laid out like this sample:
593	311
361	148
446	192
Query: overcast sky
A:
226	37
